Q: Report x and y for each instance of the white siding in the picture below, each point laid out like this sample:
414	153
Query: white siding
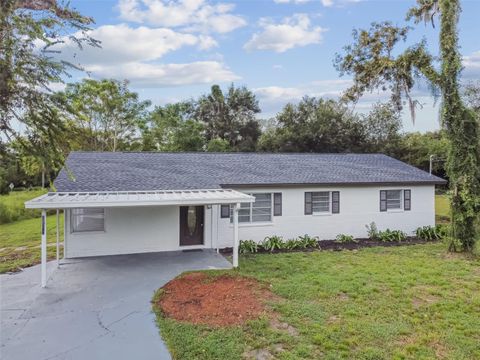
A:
150	229
358	206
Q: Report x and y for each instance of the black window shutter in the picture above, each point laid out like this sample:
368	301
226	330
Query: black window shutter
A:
335	202
308	203
407	200
383	200
225	211
277	204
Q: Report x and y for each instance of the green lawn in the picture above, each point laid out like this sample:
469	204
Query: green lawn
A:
20	242
442	209
12	206
20	239
411	302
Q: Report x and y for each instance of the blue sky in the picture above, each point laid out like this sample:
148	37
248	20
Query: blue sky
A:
281	49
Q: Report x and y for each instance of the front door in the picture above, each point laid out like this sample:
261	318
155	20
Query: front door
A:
191	225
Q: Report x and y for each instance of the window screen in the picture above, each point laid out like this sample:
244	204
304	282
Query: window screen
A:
394	199
91	219
320	201
258	211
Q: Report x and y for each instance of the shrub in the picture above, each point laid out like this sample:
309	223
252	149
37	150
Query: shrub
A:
343	238
372	231
307	241
292	244
248	246
431	233
272	243
392	235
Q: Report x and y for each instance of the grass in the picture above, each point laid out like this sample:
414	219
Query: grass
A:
442	209
12	206
412	302
20	243
20	239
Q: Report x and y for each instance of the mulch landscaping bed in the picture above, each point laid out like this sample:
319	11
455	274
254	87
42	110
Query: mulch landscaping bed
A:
222	300
336	246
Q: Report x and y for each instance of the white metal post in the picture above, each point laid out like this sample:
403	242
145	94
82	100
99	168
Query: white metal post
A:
58	240
235	235
64	232
44	248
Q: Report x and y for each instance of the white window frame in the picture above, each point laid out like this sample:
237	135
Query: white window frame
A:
399	209
329	212
72	215
250	205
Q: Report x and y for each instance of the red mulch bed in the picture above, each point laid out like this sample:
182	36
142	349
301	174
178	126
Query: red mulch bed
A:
217	301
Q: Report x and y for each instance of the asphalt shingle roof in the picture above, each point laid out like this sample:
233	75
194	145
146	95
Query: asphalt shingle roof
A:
137	171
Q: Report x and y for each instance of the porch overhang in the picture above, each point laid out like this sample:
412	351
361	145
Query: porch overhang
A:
69	200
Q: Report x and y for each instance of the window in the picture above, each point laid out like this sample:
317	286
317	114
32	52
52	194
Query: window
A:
322	202
91	219
395	200
258	211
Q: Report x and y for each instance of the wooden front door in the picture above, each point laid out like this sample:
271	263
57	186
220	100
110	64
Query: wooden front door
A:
191	225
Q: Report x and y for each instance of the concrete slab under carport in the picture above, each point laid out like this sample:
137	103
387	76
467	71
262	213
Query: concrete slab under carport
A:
92	308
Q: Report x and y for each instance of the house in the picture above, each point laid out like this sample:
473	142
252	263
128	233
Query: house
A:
127	202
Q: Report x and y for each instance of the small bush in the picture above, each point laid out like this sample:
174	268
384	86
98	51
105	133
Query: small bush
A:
307	241
343	238
293	244
272	243
372	231
392	235
248	246
431	233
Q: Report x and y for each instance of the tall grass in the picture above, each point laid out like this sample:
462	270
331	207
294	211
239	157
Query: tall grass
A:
12	207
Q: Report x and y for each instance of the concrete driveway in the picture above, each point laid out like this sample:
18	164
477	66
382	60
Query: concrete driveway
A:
92	308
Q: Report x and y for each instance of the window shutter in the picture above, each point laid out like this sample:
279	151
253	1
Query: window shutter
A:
335	202
407	200
277	204
224	211
308	203
383	200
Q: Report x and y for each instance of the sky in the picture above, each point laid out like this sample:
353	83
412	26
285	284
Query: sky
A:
280	49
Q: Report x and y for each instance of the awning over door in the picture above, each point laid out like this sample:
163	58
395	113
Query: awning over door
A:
67	200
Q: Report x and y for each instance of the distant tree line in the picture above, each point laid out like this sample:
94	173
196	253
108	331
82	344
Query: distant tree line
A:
105	115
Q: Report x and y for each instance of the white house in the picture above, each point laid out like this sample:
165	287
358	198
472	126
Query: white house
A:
121	203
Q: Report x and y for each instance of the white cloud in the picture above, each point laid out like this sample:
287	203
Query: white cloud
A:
122	43
291	1
164	75
189	14
471	65
135	54
273	98
292	32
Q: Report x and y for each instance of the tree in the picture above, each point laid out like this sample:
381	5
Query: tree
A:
229	116
29	31
170	128
373	62
416	148
103	115
382	129
315	125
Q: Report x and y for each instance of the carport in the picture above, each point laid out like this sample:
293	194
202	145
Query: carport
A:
125	199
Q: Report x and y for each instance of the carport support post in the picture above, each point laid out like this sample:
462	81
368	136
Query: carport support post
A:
235	235
44	248
58	241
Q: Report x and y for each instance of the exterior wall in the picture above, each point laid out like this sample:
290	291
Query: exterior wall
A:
358	206
151	229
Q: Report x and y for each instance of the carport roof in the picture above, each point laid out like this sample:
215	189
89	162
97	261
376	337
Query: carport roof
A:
65	200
